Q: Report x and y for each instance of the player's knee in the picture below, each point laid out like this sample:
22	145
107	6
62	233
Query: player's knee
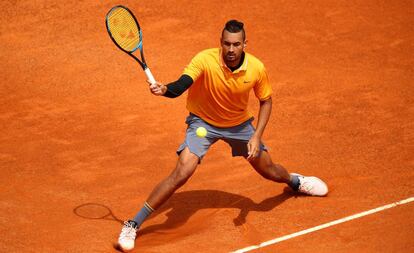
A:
181	175
181	179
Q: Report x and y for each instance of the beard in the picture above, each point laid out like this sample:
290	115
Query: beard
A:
231	57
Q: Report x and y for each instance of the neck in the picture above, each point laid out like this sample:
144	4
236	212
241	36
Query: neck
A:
237	65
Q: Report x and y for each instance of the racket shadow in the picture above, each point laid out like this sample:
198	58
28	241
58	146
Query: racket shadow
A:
183	205
95	211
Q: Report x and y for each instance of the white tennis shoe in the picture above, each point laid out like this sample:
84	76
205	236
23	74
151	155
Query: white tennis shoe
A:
126	240
311	185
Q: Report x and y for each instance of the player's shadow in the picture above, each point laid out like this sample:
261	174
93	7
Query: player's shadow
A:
183	205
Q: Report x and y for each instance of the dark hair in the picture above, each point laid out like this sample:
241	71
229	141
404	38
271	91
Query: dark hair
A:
234	26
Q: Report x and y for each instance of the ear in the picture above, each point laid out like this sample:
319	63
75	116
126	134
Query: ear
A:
245	44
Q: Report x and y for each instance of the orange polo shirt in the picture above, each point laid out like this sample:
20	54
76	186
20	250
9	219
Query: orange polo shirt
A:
220	96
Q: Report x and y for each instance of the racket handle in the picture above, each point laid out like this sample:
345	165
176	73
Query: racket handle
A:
150	77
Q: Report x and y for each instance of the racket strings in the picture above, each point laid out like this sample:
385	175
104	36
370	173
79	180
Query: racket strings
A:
124	29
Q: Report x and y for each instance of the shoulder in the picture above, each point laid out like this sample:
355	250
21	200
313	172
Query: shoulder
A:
206	58
254	62
208	53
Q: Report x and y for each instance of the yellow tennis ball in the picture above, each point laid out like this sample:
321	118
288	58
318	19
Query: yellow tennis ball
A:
201	132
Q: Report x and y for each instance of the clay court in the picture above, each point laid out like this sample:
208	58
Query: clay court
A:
82	135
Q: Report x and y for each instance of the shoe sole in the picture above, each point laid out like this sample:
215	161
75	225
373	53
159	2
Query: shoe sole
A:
118	247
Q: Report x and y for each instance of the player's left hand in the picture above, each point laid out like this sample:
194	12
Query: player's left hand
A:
253	148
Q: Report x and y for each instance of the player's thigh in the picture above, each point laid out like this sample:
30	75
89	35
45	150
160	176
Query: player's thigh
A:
186	164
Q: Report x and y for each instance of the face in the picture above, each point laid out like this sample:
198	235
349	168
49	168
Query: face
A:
232	45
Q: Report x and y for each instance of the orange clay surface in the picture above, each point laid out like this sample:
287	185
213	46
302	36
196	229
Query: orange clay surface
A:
79	126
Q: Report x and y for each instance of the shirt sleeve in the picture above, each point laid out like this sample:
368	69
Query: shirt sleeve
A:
195	68
263	89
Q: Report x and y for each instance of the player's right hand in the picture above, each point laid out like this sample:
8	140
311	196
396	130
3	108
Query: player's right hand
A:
157	88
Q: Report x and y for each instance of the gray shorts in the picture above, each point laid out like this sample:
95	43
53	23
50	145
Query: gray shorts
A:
237	137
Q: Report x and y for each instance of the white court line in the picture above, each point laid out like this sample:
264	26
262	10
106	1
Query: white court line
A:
329	224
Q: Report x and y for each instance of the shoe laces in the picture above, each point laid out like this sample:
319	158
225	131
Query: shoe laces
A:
128	231
305	186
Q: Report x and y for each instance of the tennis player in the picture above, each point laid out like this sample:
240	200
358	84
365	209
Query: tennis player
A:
219	81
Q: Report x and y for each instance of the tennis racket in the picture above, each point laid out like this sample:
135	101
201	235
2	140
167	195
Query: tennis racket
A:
125	32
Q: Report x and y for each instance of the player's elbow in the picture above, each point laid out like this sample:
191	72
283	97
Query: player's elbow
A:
267	101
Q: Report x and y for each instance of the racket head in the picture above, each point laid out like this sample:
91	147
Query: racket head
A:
124	29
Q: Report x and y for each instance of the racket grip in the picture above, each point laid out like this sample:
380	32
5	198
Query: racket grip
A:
150	77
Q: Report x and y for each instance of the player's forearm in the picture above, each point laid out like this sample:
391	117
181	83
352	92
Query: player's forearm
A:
178	87
264	116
